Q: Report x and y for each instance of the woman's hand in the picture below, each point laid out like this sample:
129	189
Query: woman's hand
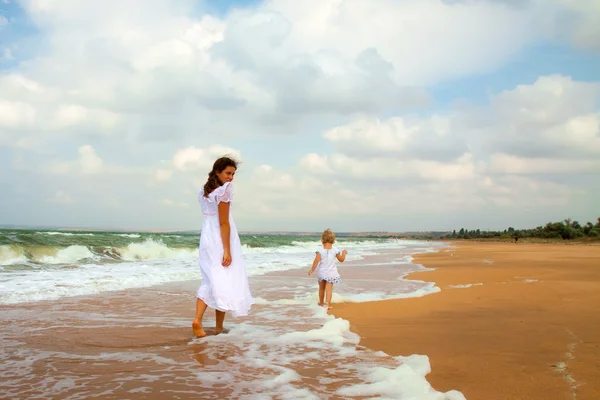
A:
226	258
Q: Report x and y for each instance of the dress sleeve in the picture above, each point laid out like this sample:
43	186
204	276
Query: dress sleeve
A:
222	194
337	251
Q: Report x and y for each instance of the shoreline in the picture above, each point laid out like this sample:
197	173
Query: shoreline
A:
526	328
138	343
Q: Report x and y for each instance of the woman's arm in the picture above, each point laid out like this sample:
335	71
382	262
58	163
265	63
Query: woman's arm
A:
223	208
315	263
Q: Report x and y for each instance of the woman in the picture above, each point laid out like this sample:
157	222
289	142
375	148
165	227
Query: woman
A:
224	281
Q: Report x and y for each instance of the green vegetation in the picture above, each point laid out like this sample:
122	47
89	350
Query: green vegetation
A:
566	230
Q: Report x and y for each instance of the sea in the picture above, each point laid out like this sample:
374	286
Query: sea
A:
108	315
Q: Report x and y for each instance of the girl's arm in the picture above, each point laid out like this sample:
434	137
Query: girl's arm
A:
315	263
223	208
341	257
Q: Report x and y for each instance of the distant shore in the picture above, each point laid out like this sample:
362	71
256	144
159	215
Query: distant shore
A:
512	321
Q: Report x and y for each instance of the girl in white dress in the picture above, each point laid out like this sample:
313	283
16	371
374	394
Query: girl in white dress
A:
224	281
327	273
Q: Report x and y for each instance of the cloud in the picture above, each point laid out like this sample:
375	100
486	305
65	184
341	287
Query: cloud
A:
88	160
506	164
15	114
163	175
512	153
580	22
194	158
332	104
61	197
147	69
553	117
171	203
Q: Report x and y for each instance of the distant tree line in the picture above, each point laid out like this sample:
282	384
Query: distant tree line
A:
566	230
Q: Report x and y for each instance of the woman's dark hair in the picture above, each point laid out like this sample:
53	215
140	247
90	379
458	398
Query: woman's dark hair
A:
213	180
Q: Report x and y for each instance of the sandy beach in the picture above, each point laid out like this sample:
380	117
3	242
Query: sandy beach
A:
512	321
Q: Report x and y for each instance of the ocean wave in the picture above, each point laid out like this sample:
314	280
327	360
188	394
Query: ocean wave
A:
146	250
34	248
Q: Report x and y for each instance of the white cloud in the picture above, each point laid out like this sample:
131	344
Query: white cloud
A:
15	114
194	158
507	164
502	163
89	161
62	197
125	68
134	83
379	169
163	175
579	20
171	203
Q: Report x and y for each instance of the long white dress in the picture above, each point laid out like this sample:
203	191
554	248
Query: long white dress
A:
222	288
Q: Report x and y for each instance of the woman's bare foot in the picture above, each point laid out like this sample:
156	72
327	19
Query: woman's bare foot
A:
198	331
329	307
218	331
320	304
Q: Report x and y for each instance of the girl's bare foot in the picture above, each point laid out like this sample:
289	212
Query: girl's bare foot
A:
221	330
320	304
198	331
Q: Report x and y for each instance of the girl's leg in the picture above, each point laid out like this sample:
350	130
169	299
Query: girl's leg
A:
197	324
321	292
220	317
329	294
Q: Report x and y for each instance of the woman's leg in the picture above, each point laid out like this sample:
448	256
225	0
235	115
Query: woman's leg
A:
197	324
329	287
321	292
220	317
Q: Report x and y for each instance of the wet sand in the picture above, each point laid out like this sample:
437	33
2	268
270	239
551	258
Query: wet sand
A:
527	328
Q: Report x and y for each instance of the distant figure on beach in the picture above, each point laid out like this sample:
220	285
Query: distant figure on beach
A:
324	261
516	237
224	280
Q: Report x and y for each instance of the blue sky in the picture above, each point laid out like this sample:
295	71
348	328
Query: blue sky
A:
110	114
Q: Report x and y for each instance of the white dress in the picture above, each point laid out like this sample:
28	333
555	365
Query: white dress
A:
222	288
327	268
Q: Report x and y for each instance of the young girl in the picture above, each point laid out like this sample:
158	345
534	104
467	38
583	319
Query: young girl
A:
325	261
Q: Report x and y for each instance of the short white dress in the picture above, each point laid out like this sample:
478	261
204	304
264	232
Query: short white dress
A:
327	268
222	288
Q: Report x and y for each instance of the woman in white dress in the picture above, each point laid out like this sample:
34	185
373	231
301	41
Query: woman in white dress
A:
224	280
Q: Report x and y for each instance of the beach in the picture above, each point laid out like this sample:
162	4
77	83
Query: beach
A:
512	320
108	315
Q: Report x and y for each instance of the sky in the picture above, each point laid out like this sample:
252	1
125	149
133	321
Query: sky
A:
354	115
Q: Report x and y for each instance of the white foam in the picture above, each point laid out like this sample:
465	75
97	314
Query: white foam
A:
68	255
53	233
464	286
407	381
11	256
335	332
154	250
151	262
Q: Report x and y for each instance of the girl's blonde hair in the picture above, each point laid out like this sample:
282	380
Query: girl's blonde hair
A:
328	236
